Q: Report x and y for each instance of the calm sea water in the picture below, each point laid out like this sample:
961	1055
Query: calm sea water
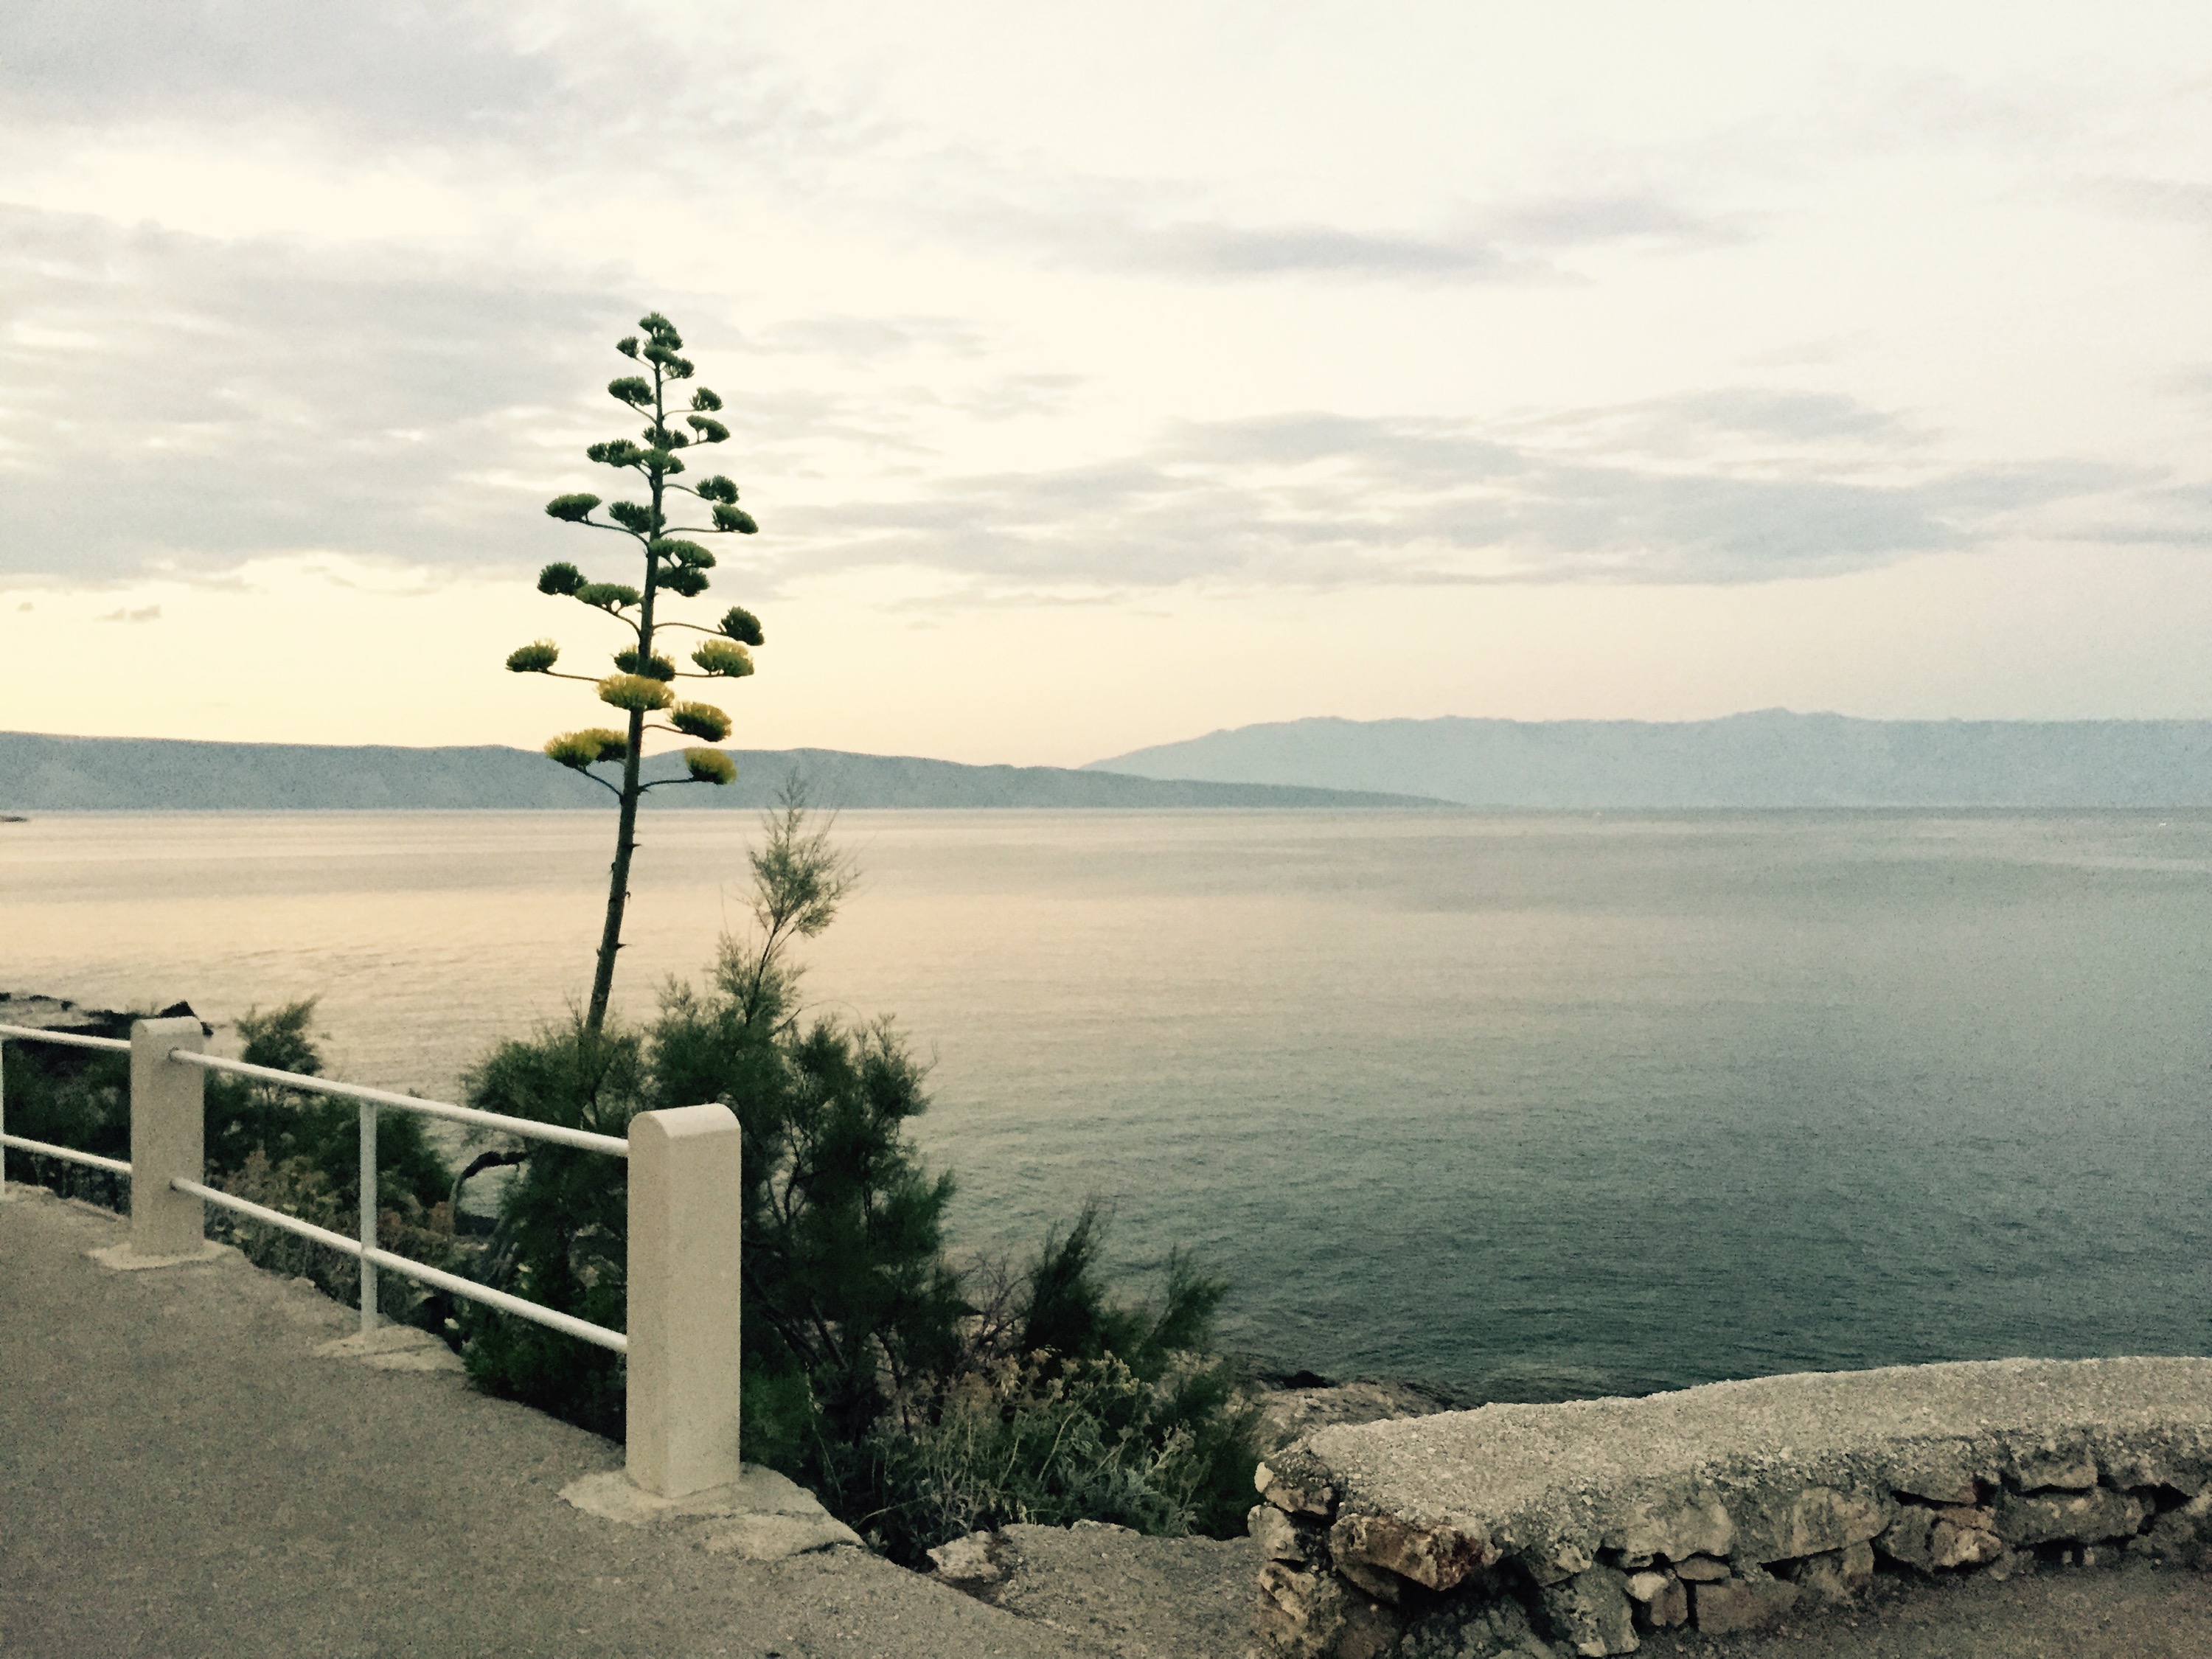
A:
1532	1104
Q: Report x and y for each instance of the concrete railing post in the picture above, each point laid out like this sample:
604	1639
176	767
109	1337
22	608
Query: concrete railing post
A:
685	1200
5	1195
168	1128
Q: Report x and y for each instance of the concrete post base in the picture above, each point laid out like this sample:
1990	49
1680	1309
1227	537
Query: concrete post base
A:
122	1259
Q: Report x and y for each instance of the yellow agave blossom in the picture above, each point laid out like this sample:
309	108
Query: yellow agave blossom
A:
700	719
710	766
635	691
724	657
581	749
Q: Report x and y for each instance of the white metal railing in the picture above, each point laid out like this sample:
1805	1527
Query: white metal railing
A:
44	1149
364	1248
683	1282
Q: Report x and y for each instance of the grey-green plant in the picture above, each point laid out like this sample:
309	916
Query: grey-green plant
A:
673	563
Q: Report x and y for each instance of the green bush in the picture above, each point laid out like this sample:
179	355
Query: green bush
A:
874	1370
74	1097
300	1153
564	1222
245	1115
1124	1414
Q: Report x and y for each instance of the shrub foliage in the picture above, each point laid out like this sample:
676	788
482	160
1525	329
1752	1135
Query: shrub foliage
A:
921	1400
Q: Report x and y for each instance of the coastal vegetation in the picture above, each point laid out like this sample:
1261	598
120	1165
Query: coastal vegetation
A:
921	1393
673	562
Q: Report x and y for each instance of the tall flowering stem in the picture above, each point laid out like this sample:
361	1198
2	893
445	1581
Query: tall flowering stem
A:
673	564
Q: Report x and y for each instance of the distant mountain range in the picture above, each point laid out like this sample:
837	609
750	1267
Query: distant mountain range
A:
41	774
1771	759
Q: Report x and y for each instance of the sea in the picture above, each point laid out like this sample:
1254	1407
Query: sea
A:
1535	1105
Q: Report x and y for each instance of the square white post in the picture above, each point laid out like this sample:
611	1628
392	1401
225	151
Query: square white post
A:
369	1319
686	1197
168	1129
5	1195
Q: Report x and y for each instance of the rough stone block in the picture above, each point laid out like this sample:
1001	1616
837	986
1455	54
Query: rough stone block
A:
761	1516
2043	1467
1590	1613
1701	1570
1748	1603
1951	1545
1557	1558
2053	1469
1665	1606
1974	1517
2159	1467
1697	1523
1280	1537
1434	1557
1500	1630
2071	1517
1836	1575
1371	1581
2184	1537
1295	1491
969	1559
1812	1523
1303	1615
1906	1538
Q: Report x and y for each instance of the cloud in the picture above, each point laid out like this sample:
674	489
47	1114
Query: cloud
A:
144	614
184	403
543	89
870	339
415	71
1094	225
2163	199
1332	500
175	399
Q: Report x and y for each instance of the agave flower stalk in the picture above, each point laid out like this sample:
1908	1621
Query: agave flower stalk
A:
673	564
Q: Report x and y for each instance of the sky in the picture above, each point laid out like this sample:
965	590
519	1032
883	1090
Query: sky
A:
1104	376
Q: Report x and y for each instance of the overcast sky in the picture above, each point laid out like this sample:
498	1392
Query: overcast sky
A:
1103	375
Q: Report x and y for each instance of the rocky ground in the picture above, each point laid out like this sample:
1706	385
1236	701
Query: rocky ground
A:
1107	1592
1298	1405
2057	1613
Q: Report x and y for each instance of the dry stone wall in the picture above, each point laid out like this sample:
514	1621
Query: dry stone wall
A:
1551	1530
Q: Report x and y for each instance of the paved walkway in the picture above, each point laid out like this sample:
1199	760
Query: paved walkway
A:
180	1475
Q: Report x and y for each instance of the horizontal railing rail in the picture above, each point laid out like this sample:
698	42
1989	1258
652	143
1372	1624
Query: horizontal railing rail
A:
529	1128
67	1154
683	1271
583	1329
67	1039
46	1148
